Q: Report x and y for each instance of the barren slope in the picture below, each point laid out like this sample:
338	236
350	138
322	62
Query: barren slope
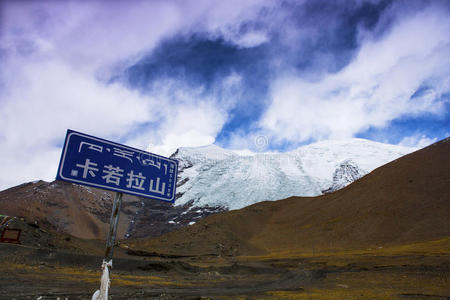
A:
405	201
84	212
64	207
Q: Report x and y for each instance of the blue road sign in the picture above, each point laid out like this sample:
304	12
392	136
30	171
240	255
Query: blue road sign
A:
103	164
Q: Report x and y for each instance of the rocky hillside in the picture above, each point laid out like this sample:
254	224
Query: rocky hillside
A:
84	212
405	201
211	180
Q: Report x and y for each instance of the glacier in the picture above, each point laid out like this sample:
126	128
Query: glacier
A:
216	177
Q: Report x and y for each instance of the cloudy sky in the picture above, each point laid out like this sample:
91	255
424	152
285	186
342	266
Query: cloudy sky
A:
242	74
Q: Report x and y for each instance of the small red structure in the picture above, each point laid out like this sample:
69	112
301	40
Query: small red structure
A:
10	236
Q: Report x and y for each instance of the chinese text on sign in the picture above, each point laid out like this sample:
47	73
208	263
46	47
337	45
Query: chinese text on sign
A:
100	163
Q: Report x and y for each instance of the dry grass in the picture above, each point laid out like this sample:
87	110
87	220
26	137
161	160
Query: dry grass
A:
372	285
88	276
428	248
412	271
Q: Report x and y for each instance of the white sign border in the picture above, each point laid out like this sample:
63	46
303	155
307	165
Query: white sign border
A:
61	166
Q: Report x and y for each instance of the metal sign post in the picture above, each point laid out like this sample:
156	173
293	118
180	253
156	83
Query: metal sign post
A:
99	163
102	294
113	226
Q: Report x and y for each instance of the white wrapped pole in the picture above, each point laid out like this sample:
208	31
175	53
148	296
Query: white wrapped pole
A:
102	294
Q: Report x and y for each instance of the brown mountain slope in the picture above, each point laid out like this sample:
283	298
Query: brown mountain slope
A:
64	207
85	212
405	201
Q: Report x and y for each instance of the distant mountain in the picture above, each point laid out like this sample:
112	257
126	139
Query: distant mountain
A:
403	202
64	207
211	180
84	212
218	177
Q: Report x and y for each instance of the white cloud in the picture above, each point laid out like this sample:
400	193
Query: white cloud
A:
417	141
58	56
252	39
87	35
52	56
373	89
191	138
225	17
60	53
188	118
40	106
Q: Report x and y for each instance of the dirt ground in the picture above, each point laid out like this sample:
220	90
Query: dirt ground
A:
418	271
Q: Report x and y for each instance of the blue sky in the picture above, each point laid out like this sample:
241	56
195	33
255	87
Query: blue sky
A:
258	74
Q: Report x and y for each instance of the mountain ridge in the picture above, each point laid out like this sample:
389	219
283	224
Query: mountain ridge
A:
404	201
84	212
207	173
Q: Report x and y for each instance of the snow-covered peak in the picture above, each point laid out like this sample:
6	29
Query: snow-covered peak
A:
197	154
244	152
353	144
215	176
321	157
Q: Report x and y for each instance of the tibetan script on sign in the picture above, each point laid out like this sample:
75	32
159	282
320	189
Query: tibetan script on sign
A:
100	163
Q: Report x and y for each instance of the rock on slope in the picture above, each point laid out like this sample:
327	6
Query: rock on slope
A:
405	201
346	173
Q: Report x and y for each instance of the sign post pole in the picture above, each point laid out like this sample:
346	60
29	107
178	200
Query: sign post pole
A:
99	163
113	226
107	261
